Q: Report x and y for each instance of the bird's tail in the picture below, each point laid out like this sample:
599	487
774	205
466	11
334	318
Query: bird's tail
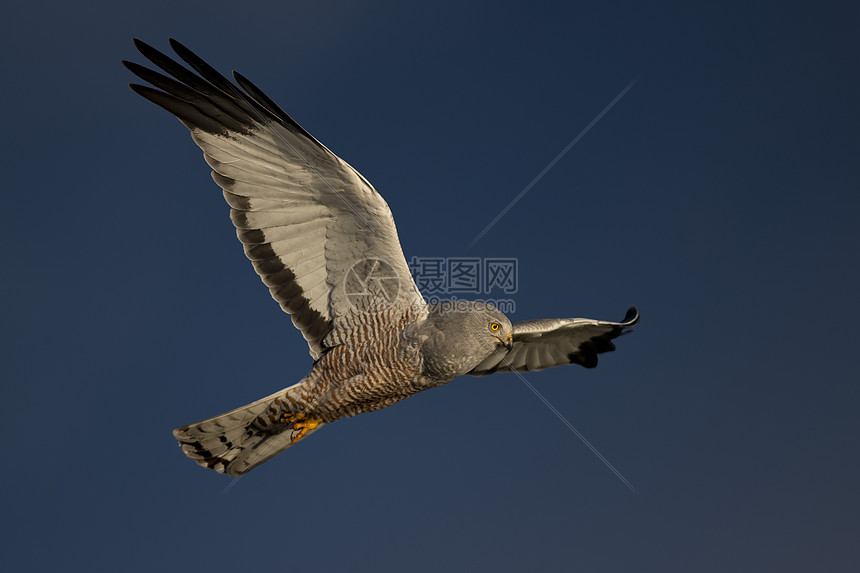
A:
240	440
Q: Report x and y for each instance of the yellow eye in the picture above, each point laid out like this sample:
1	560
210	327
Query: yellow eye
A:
494	326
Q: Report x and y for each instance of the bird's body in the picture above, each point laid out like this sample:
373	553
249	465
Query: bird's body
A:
324	242
376	359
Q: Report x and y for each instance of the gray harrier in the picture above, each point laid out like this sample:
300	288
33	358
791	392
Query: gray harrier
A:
324	242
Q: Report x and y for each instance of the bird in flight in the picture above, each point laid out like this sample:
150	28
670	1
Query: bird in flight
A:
324	242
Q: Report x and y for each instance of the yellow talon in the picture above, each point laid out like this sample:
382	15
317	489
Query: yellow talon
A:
301	423
304	428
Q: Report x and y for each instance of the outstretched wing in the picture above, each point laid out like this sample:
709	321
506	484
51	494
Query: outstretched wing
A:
317	232
539	344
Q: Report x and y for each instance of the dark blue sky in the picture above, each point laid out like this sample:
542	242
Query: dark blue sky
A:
720	196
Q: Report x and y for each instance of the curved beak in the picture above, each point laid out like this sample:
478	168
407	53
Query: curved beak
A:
507	343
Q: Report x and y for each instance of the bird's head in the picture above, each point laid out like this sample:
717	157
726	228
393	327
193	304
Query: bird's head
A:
501	329
464	334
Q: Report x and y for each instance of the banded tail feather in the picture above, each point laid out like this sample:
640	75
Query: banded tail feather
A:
240	440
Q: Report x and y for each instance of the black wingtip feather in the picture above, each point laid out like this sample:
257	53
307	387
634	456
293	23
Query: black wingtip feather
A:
209	73
587	359
266	102
187	113
213	89
162	82
631	318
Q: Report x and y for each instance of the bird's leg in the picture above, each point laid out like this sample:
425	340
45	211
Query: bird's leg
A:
300	422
